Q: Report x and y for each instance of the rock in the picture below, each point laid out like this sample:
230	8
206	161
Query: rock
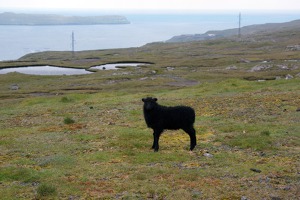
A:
244	198
244	60
260	68
121	73
283	67
264	180
293	48
298	75
14	87
208	155
144	78
231	67
294	67
255	170
287	77
170	68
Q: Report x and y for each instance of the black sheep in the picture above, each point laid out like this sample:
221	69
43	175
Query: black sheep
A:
160	117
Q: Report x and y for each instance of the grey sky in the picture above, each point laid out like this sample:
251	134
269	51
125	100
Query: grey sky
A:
154	4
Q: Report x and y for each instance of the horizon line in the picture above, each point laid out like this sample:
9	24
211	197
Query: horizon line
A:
149	11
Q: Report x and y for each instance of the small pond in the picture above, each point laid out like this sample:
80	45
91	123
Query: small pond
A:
116	66
45	70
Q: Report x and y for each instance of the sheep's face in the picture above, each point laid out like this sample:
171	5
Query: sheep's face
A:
149	103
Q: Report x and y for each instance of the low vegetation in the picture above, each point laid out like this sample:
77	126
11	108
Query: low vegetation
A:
247	124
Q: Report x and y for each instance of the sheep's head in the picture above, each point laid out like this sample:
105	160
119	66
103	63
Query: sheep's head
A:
149	103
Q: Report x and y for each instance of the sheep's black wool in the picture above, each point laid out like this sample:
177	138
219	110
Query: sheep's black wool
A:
160	117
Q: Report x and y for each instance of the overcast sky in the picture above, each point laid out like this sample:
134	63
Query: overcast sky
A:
154	4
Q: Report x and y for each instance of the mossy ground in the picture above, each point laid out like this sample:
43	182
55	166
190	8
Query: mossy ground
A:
250	128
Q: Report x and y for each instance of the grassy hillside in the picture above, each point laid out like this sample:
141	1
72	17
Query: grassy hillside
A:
245	31
84	137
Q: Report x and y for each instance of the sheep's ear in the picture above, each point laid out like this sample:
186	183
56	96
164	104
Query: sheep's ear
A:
143	99
155	99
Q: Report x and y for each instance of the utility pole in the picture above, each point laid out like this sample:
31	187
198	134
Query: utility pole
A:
240	19
73	44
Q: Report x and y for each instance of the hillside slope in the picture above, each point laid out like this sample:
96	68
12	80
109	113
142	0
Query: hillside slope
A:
84	136
245	31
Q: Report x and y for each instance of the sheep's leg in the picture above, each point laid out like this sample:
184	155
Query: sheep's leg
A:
153	146
192	133
156	136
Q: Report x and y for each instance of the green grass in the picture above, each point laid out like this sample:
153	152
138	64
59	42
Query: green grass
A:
69	120
45	190
257	142
18	174
105	153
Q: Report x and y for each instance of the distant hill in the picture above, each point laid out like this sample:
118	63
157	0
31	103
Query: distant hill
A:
9	18
246	30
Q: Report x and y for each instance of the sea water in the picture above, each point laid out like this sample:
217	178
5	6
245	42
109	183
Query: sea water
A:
116	66
45	70
17	41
